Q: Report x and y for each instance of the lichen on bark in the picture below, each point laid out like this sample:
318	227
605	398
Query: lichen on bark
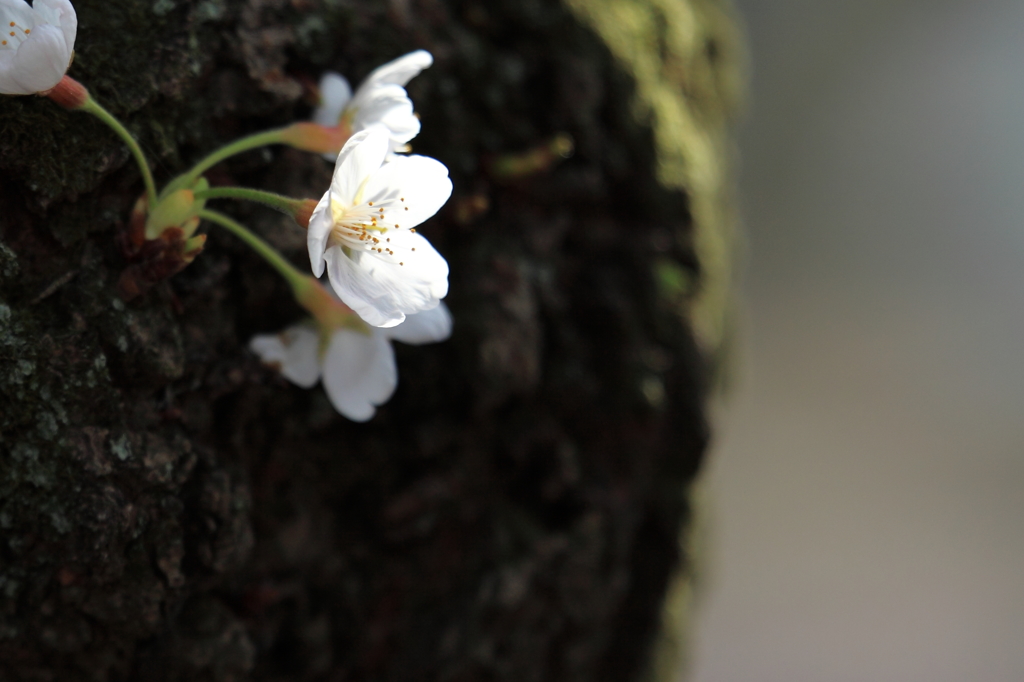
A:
172	510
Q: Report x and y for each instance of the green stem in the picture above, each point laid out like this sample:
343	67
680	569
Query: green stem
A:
279	202
296	279
92	106
237	147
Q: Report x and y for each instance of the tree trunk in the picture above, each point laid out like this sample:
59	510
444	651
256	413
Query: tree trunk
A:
172	510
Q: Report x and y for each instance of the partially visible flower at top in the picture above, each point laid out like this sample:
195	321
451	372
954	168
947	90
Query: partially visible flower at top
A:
363	231
36	44
358	369
380	100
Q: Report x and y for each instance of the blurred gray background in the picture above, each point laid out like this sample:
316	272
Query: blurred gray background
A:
868	475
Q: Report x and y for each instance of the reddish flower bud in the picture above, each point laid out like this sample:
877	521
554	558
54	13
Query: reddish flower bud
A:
311	137
69	93
305	211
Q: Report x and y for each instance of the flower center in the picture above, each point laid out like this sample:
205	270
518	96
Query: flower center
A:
14	34
365	227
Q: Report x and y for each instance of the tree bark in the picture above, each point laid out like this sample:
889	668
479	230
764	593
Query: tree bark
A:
172	510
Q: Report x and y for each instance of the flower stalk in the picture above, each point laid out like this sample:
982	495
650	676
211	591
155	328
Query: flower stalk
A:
91	106
290	273
279	202
329	312
306	136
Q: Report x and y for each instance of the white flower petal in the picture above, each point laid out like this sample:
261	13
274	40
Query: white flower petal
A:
8	85
388	106
42	60
335	94
400	71
60	13
422	182
20	12
319	232
362	155
295	352
427	326
381	289
359	373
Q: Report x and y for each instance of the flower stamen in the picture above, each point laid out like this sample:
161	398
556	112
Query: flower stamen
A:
18	33
350	226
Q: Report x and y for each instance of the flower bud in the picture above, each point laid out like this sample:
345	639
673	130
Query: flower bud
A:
69	93
174	210
304	211
312	137
192	247
162	243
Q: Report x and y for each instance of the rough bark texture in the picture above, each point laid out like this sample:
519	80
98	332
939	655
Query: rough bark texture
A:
172	510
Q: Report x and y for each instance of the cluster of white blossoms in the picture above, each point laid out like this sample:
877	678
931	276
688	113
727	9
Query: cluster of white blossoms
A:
387	280
36	45
363	233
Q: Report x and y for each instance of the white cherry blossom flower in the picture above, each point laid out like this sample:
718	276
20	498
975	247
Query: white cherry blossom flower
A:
36	44
380	100
357	369
363	231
